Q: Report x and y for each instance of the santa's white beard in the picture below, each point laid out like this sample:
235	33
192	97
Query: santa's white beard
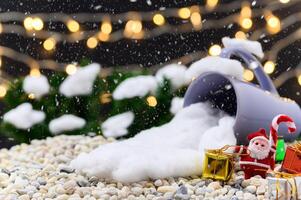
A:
257	153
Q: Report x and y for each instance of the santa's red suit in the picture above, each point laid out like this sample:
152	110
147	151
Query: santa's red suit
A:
250	164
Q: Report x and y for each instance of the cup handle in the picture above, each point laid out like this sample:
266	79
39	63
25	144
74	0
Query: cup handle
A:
264	80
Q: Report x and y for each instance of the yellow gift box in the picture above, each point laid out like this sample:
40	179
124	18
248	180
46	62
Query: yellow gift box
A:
218	165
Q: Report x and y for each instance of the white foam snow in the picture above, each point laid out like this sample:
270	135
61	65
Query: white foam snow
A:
216	64
23	116
169	150
177	104
66	122
251	46
117	125
37	85
137	86
81	82
175	73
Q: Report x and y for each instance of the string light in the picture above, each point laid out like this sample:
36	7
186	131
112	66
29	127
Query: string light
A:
28	23
92	42
196	20
299	79
3	90
184	13
71	69
106	27
31	96
134	26
269	67
37	24
246	11
49	44
246	23
73	26
284	1
158	19
210	4
240	35
103	37
151	101
273	23
215	50
35	72
248	75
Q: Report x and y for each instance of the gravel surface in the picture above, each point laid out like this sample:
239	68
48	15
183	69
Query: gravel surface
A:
40	171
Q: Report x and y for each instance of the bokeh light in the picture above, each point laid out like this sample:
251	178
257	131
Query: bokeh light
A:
49	44
215	50
92	42
71	69
269	67
184	13
73	26
158	19
248	75
151	101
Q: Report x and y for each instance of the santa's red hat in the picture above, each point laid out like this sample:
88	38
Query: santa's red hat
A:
258	135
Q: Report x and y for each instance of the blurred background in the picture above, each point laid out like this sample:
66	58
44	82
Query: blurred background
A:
50	36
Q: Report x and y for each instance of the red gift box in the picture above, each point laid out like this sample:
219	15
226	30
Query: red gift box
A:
292	159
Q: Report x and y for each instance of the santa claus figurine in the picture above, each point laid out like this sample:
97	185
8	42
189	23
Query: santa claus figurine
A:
259	156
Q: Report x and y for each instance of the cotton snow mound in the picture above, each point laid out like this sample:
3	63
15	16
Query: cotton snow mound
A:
215	64
169	150
81	82
137	86
37	85
177	104
174	73
251	46
23	116
117	125
66	122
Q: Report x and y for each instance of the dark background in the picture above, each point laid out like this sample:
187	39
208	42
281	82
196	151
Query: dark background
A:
144	53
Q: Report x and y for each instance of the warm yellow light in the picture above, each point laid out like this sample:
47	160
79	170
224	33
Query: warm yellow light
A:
73	26
1	28
215	50
49	44
248	75
133	26
28	23
31	96
151	101
284	1
210	4
106	27
37	24
246	11
92	42
240	35
70	69
103	37
184	13
3	91
0	61
196	20
246	23
273	22
269	67
35	72
158	19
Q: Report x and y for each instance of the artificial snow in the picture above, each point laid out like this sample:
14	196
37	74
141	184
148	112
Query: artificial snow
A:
66	122
137	86
175	73
81	82
117	125
36	85
251	46
214	64
23	116
169	150
177	104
